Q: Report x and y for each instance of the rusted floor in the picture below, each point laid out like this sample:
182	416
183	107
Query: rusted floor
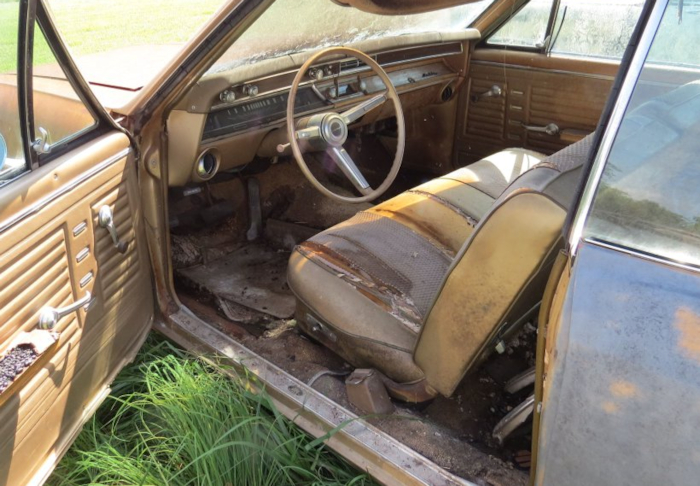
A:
453	432
253	276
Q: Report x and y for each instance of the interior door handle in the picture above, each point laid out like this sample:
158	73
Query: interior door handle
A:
49	316
495	92
551	129
106	220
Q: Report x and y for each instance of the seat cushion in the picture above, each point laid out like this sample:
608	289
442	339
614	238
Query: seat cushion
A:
371	280
447	209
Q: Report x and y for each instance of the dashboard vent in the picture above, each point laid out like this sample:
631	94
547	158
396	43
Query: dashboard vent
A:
351	65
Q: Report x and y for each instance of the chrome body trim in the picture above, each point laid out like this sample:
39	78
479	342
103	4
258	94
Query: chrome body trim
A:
42	203
618	113
642	255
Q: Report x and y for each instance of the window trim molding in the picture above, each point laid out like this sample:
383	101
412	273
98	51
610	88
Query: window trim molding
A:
554	9
25	90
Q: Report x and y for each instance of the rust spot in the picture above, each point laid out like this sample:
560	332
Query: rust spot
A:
470	220
623	389
610	407
432	233
688	325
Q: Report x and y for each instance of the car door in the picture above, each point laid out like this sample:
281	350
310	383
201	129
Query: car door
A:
541	76
76	300
619	387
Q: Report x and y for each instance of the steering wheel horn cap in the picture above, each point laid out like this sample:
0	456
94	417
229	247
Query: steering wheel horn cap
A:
334	130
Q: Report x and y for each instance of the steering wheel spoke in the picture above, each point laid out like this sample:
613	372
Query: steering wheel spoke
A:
308	133
342	158
357	112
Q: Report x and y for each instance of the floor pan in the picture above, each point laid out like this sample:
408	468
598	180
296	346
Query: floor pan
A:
252	277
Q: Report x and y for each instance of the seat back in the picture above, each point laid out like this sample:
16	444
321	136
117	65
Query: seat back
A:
500	272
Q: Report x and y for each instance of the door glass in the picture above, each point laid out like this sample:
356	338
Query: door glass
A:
595	28
648	198
11	153
58	109
527	28
123	44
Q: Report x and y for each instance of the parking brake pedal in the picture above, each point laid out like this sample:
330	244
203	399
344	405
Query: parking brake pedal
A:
254	210
367	392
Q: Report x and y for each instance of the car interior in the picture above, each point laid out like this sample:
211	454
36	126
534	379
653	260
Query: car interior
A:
375	213
389	232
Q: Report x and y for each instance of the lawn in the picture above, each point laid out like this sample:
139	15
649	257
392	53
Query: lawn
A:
172	420
93	26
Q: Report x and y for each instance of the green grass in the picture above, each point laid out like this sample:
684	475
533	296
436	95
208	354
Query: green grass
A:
94	26
172	420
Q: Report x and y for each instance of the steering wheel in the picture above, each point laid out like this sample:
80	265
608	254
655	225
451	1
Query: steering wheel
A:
329	131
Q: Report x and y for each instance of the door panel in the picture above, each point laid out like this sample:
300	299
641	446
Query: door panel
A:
52	252
566	92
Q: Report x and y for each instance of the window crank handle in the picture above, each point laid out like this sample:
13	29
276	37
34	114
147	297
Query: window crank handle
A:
49	316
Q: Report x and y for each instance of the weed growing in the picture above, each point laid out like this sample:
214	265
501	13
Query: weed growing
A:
173	420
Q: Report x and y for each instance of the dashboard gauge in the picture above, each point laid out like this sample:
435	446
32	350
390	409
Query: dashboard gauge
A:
259	112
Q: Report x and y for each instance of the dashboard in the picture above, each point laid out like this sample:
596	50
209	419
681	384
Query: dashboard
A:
259	112
228	119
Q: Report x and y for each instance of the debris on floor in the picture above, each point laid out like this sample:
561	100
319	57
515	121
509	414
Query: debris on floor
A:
277	331
253	276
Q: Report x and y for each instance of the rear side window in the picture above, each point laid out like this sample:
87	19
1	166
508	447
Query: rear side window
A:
587	28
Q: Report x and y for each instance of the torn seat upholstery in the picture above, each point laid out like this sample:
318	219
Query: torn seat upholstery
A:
420	286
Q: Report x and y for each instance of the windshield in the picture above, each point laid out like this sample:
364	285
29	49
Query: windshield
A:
290	26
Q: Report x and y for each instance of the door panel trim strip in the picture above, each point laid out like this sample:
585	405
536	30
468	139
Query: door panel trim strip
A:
42	203
543	70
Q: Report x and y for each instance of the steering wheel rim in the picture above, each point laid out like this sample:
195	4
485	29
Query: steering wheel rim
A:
333	127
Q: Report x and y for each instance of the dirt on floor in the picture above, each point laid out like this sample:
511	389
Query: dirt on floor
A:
454	432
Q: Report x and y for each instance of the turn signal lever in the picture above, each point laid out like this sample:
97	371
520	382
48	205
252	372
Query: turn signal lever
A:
495	92
106	220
